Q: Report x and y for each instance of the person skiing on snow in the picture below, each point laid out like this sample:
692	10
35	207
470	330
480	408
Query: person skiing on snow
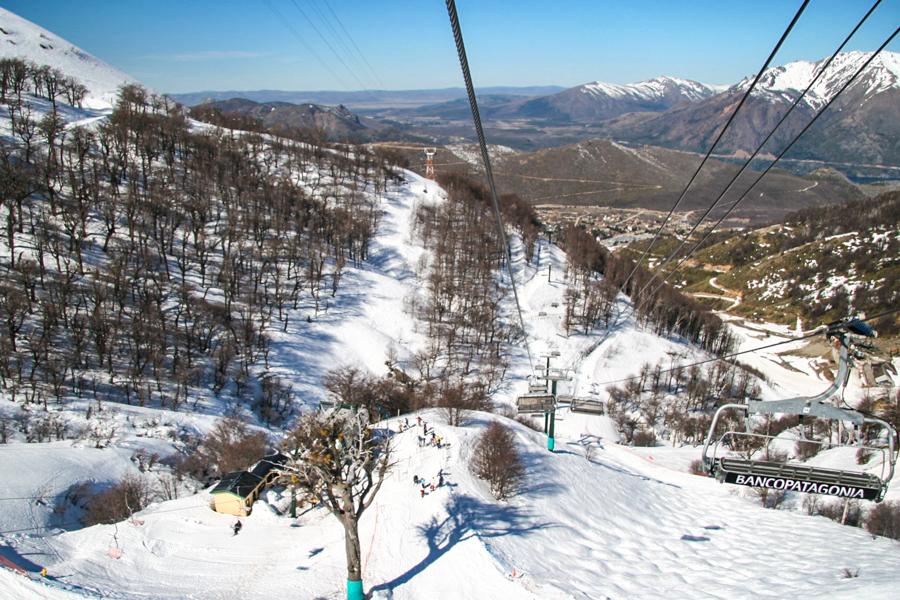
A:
236	527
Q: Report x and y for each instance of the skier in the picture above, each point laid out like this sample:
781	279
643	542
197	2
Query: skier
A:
236	527
416	479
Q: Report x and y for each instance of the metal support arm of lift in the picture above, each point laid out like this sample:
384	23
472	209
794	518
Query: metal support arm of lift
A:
812	406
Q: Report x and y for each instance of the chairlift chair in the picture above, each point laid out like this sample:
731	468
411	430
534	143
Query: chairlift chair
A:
531	404
720	459
537	386
555	374
587	405
564	399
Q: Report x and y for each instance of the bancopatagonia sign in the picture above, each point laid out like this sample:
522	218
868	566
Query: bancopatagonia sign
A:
809	487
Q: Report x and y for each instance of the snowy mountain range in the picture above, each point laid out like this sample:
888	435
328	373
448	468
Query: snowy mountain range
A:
788	81
861	127
600	101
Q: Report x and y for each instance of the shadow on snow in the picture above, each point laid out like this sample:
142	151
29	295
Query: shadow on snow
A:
467	517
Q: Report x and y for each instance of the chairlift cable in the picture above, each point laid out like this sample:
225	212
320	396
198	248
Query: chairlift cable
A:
815	333
716	142
328	43
476	118
287	23
759	148
777	158
353	42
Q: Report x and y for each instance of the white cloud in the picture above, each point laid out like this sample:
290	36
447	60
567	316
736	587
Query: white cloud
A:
204	55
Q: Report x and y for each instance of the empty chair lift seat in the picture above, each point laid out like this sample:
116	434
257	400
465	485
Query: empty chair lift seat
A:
587	405
535	403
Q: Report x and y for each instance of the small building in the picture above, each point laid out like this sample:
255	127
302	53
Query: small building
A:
237	491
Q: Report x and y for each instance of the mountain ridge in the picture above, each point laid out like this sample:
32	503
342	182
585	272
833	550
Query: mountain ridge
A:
20	38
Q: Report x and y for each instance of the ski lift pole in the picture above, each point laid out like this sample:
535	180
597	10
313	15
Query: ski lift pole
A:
551	442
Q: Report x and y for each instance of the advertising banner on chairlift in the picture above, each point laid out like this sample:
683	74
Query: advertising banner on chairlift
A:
786	484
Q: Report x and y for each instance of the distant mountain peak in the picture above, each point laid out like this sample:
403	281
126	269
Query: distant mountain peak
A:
659	88
882	74
20	38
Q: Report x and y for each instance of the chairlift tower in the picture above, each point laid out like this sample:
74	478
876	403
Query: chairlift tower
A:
552	376
429	162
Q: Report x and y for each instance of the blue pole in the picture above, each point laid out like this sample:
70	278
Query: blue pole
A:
355	590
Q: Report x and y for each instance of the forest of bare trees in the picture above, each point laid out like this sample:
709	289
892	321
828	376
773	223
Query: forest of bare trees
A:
664	401
462	304
21	77
665	311
143	260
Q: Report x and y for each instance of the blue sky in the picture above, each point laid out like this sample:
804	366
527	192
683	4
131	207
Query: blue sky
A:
193	45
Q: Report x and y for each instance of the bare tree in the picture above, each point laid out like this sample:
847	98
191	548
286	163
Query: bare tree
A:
497	460
340	459
118	502
457	400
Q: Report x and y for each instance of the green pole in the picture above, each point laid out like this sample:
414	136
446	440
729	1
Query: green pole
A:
293	502
551	442
355	590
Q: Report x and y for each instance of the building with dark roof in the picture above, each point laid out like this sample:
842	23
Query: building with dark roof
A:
236	492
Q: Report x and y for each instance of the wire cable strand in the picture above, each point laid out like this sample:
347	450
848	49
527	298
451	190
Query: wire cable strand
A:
288	24
476	117
355	46
816	332
759	148
777	158
328	44
716	142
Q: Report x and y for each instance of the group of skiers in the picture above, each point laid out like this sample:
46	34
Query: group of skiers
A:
428	437
423	485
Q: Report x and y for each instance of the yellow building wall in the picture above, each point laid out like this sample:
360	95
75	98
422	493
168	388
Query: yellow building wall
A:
229	504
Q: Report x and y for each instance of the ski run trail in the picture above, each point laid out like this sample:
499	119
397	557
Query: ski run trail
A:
595	519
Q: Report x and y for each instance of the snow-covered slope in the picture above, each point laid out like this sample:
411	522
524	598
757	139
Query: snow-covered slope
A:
603	524
882	74
598	101
595	519
20	38
670	89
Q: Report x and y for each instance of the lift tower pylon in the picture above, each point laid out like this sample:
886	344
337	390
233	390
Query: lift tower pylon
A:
429	162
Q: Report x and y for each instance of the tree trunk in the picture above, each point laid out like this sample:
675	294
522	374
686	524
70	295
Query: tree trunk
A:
354	561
